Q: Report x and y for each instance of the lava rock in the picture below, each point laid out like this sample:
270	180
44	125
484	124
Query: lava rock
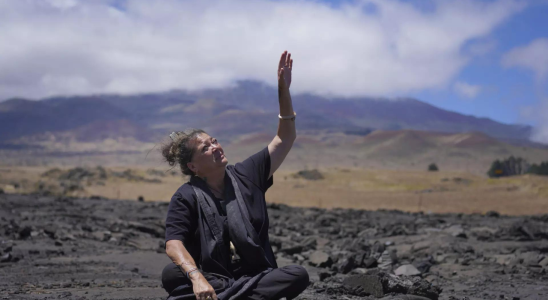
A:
492	214
292	250
6	258
151	229
298	258
347	265
309	243
387	260
324	275
7	246
25	232
544	262
454	230
377	248
404	297
320	259
50	231
524	230
370	262
327	220
364	285
102	236
424	266
407	270
161	244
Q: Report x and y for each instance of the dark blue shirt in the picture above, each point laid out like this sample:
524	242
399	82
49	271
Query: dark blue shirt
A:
252	178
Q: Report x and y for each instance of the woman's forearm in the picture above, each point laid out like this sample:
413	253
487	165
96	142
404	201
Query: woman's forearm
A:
180	256
286	128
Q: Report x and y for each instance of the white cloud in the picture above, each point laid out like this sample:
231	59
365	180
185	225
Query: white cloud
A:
467	90
82	47
482	47
533	57
538	113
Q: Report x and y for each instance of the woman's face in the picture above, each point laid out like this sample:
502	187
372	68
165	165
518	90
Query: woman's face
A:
208	155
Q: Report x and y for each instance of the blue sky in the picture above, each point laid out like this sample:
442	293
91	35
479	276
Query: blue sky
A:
487	58
506	91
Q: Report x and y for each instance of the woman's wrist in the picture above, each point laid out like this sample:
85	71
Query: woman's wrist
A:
196	276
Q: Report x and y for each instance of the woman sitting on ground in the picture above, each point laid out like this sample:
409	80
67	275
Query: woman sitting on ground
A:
217	223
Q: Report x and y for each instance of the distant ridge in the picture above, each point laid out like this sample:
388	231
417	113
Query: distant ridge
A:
425	139
19	117
246	108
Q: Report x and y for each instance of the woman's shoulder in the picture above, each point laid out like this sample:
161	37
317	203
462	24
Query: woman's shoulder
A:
256	160
256	168
184	193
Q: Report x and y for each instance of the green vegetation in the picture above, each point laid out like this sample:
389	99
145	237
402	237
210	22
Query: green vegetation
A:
309	174
541	169
433	167
516	166
508	167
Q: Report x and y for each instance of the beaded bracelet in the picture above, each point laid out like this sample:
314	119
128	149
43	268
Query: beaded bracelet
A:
191	271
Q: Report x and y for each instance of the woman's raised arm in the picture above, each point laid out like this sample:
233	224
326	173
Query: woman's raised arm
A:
283	141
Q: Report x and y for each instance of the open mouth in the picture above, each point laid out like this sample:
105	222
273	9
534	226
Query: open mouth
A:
218	157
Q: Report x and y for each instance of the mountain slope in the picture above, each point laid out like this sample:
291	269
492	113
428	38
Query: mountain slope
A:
20	117
248	107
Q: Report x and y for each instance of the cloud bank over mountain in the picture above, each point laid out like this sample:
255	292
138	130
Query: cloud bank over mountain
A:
534	57
370	47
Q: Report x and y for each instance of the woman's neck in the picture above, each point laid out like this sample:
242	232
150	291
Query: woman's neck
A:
215	180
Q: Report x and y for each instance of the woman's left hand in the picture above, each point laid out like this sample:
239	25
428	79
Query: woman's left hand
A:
284	70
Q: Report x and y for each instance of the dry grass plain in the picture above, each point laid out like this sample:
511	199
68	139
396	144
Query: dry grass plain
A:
437	192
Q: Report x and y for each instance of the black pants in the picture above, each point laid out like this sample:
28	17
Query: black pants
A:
288	282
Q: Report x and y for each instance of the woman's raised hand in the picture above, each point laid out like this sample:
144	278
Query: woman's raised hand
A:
284	70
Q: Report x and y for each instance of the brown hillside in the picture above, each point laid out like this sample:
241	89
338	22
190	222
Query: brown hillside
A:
471	139
402	150
98	131
399	144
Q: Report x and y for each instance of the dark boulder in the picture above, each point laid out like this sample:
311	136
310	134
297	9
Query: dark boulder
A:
383	284
25	232
6	258
370	262
347	265
292	249
364	285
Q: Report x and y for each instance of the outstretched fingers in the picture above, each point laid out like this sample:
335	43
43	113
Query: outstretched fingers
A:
288	59
282	60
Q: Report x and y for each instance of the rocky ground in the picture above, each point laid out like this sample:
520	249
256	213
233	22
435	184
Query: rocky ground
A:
53	248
